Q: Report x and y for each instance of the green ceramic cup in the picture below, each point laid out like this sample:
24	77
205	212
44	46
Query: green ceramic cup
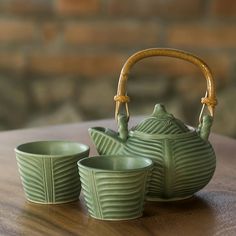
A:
49	171
114	187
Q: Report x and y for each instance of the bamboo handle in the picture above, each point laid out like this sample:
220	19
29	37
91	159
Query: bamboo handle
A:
122	98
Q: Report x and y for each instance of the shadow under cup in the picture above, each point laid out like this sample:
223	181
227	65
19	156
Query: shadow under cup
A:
49	171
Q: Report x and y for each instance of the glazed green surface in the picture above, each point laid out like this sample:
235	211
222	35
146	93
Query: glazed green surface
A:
115	163
48	170
114	192
184	161
52	148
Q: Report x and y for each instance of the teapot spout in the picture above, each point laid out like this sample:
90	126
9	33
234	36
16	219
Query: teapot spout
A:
107	141
205	127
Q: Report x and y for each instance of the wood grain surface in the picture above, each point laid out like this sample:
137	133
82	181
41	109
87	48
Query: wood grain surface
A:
211	211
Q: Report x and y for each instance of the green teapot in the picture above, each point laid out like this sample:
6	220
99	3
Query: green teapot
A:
184	160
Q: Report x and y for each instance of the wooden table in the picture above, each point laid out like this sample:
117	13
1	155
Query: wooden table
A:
211	211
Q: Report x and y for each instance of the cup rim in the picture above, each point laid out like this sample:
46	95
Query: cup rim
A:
86	147
149	166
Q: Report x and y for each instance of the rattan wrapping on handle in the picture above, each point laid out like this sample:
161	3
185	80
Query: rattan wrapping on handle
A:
122	98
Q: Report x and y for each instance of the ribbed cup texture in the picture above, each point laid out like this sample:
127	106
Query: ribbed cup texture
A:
114	195
48	179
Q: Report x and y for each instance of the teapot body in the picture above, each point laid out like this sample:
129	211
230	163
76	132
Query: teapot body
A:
183	163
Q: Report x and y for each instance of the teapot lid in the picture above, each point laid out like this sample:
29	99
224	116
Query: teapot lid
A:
161	122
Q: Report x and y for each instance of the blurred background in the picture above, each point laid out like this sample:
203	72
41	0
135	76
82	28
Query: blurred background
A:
60	59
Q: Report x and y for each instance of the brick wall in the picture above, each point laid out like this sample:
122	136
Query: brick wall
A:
60	60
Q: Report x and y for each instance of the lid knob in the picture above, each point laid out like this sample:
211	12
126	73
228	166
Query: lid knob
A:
159	110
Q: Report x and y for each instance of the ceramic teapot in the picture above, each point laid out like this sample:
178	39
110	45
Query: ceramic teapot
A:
184	160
